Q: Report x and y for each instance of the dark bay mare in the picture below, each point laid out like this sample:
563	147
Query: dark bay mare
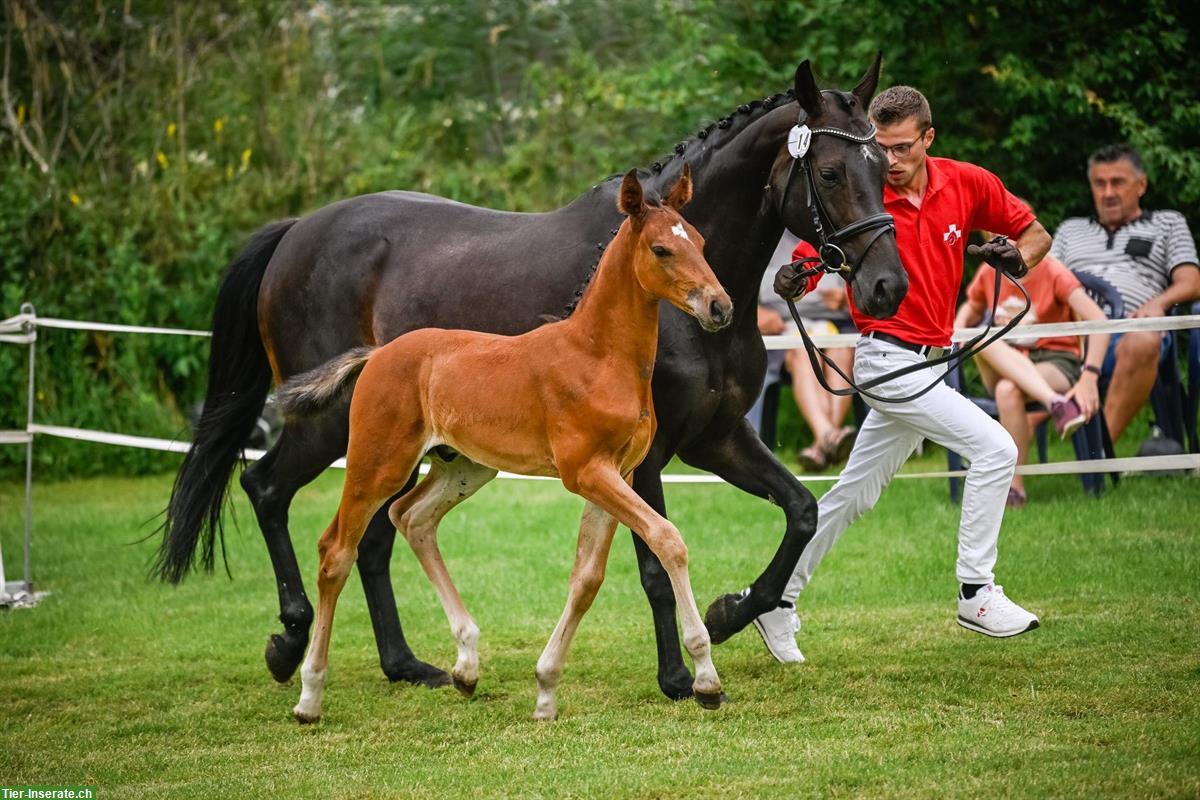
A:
366	270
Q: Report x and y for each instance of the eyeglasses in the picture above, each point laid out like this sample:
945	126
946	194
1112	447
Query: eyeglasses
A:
904	148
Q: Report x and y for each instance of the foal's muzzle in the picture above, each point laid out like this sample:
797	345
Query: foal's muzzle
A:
713	309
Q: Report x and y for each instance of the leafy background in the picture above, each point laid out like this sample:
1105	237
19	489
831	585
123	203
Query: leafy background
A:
140	142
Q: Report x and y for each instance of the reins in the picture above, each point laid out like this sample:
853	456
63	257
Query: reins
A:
832	259
967	350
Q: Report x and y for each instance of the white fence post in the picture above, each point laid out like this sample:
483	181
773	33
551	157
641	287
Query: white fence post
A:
21	593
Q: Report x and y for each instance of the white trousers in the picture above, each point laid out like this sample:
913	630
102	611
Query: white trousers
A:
888	437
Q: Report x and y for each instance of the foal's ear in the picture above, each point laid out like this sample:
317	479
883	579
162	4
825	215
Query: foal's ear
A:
866	87
681	192
629	201
807	93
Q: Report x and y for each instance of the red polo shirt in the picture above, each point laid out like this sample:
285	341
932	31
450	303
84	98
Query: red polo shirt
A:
960	198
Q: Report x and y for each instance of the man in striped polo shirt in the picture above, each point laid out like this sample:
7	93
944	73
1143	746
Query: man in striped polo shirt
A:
1149	256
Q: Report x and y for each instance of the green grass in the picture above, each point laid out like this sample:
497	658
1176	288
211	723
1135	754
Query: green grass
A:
149	690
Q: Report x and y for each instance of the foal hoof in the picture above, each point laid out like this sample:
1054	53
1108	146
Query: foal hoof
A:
723	618
711	700
305	719
464	688
284	655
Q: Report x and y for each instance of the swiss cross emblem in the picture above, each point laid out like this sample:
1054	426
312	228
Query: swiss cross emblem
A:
952	235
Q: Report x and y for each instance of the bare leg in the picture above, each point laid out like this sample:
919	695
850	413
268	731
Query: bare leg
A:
596	530
416	516
602	485
839	405
1009	362
811	399
1133	378
1010	402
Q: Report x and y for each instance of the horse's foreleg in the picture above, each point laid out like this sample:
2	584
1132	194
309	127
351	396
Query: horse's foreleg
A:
604	486
674	679
596	529
374	569
743	460
304	449
416	516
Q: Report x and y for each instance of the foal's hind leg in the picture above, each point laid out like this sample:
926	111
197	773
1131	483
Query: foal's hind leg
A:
604	486
416	515
596	530
370	479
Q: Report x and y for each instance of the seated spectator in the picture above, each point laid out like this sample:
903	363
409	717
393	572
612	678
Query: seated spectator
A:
1047	370
823	311
1149	256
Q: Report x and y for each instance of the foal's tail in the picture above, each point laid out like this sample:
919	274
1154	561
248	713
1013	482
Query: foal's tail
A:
239	377
316	390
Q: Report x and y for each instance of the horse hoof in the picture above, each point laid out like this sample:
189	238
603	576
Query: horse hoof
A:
418	673
722	618
677	685
283	656
711	700
305	719
464	688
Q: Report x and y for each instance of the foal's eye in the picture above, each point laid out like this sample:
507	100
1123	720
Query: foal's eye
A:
829	175
660	251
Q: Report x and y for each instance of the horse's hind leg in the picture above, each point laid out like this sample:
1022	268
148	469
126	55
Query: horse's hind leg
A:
416	515
604	486
304	449
596	529
374	568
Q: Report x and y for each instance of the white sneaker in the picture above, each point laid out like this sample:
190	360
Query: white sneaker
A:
778	629
991	613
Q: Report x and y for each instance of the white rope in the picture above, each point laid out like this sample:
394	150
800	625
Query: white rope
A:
788	342
1137	464
1038	331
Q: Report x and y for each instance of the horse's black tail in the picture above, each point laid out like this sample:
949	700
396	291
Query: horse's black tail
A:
316	390
239	378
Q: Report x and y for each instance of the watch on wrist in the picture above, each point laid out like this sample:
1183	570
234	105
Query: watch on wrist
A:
1092	369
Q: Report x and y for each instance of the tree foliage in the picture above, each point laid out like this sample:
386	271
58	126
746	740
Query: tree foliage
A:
142	141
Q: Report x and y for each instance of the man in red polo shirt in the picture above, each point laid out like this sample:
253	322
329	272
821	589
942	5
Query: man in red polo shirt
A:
936	203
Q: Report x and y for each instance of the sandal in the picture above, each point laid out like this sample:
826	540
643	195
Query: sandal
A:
1016	498
812	458
839	443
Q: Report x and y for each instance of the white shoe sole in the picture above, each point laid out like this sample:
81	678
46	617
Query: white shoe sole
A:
781	659
971	626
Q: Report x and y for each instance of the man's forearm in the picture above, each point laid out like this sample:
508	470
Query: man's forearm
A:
1034	243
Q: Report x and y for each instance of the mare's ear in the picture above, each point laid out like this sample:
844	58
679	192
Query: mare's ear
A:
629	201
681	192
806	91
866	87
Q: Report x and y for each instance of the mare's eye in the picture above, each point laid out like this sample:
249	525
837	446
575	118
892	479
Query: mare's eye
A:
660	251
829	175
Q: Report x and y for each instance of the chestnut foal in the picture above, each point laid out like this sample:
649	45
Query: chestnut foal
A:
570	400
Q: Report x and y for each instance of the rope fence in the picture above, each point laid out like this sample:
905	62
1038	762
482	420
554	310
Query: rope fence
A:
22	329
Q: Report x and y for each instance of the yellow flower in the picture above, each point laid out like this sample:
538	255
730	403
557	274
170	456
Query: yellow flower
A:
229	171
171	130
74	198
21	114
218	126
162	159
246	159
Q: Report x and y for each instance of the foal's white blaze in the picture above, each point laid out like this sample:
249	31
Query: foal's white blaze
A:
678	230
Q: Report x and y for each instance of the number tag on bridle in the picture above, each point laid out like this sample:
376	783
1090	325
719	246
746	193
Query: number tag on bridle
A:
799	138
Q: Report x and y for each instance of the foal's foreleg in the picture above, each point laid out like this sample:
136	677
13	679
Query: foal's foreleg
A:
605	487
596	530
417	516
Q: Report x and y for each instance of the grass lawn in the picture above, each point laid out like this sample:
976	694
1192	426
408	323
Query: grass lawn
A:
147	690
